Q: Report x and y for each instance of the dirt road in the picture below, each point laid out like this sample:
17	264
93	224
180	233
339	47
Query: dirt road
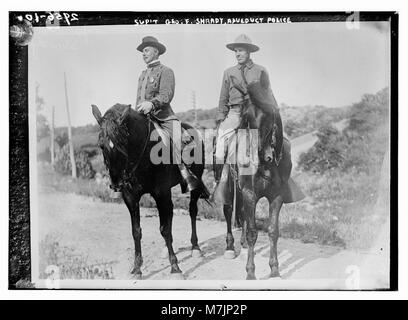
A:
101	232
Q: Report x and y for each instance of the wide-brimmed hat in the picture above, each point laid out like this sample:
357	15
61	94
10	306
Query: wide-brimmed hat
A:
243	41
150	41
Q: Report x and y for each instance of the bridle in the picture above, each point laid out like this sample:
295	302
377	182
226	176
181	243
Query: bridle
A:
270	135
127	175
272	132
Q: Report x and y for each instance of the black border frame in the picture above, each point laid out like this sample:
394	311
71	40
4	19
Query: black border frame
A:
19	184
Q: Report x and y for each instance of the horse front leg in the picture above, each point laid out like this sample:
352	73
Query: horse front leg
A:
193	209
230	251
249	200
165	207
273	232
241	217
244	243
132	203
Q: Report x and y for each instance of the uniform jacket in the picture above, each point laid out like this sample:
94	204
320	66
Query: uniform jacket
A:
230	95
159	89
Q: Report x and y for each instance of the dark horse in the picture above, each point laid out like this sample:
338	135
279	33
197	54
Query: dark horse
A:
125	140
271	179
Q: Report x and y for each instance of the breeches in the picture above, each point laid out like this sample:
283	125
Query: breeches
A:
226	137
170	132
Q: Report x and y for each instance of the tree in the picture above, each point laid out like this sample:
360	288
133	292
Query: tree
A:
43	128
290	128
62	139
370	112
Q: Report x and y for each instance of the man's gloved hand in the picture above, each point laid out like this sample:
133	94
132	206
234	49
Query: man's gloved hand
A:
217	124
145	107
186	138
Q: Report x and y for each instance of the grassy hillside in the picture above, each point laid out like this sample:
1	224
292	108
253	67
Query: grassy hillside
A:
301	120
342	173
297	121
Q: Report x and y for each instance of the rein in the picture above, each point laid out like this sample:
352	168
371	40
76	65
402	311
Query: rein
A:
277	157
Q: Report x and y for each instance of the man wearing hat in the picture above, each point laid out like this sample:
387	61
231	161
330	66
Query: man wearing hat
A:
154	93
231	98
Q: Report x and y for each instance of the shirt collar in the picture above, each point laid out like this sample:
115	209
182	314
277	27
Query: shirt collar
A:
153	64
249	64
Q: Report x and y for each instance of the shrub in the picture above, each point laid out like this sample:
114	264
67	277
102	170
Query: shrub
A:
327	153
83	163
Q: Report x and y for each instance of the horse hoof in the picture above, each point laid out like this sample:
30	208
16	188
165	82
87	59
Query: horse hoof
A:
243	254
251	277
164	254
176	276
274	274
136	274
196	253
229	254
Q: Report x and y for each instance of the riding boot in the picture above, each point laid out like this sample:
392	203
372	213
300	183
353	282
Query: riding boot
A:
217	172
222	191
193	183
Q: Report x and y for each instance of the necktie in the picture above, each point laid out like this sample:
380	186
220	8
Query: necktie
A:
144	83
243	75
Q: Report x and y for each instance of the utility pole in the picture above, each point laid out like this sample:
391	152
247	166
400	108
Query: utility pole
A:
193	98
52	136
70	142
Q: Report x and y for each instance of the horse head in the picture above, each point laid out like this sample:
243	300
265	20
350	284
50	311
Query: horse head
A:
262	113
113	140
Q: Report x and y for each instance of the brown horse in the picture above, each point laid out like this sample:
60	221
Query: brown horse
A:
271	179
125	140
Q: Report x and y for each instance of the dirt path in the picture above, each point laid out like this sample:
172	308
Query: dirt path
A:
101	231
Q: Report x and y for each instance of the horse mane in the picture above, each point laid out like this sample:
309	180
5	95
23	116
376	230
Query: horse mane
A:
263	99
113	130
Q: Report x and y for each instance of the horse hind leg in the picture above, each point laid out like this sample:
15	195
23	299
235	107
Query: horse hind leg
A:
273	232
243	224
230	251
193	209
244	243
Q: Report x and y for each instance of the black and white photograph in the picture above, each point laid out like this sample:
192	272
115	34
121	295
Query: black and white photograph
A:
205	151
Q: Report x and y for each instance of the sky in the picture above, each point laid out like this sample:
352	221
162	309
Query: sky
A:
323	63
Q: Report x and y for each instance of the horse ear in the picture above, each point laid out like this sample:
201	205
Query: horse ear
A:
124	113
97	114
